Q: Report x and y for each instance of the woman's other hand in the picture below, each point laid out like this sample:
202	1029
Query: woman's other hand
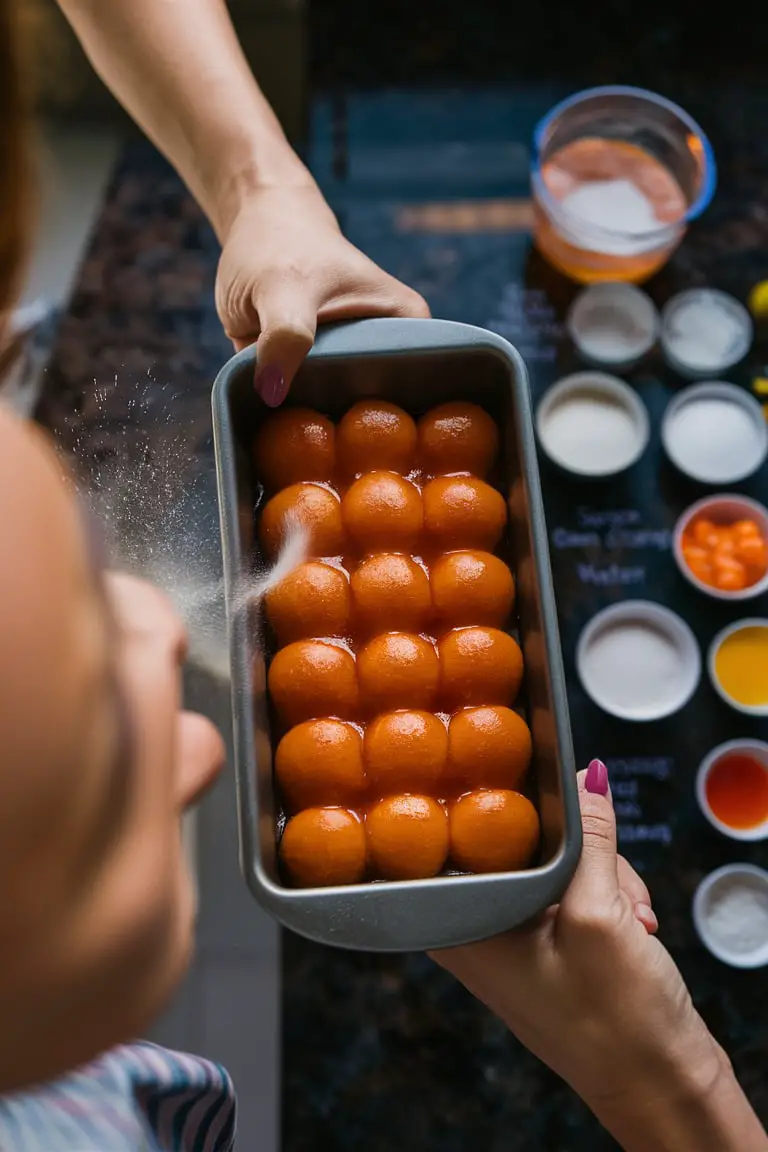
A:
591	991
285	268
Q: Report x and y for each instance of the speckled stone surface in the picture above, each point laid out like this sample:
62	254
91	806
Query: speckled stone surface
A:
387	1053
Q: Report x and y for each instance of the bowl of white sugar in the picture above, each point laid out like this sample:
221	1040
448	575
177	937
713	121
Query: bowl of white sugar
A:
730	913
639	661
715	433
592	425
705	332
613	324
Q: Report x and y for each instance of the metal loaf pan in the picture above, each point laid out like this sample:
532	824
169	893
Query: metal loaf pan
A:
417	364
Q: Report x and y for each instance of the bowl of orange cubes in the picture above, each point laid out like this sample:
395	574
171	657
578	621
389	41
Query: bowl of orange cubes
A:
403	752
720	544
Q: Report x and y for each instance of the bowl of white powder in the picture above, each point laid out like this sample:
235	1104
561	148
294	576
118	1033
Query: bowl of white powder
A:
705	332
613	324
715	433
592	425
639	661
730	912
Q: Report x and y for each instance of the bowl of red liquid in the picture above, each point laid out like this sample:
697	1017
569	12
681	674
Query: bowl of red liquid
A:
617	174
732	789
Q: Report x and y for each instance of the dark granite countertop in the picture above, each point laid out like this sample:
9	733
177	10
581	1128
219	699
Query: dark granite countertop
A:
386	1052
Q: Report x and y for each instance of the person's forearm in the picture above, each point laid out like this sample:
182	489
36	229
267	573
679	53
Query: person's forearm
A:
693	1117
178	69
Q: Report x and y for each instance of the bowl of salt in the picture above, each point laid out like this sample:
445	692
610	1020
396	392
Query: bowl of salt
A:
730	913
704	332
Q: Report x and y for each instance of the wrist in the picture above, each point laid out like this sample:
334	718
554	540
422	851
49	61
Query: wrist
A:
248	176
693	1105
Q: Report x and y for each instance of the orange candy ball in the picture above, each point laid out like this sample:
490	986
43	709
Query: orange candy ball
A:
493	831
313	600
382	512
391	591
397	670
488	747
315	508
324	846
310	678
294	444
479	666
457	437
471	588
407	837
405	752
375	435
320	762
462	512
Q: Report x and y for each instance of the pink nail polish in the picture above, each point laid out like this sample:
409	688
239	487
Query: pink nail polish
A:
597	778
269	382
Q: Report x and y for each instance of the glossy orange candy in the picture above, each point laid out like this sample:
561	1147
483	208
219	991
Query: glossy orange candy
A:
407	837
391	591
479	666
462	512
375	435
314	600
311	679
320	762
324	846
457	437
294	444
471	588
405	752
315	508
493	831
382	512
489	747
397	670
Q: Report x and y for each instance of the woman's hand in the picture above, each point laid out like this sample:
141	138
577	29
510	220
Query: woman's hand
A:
285	268
590	991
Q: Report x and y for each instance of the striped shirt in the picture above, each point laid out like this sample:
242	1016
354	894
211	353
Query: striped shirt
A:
136	1098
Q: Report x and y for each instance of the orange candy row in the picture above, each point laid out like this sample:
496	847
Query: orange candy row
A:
467	666
411	837
298	444
384	512
729	557
329	762
321	600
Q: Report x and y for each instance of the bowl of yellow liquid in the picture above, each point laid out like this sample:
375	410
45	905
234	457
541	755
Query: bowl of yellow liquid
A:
617	174
738	666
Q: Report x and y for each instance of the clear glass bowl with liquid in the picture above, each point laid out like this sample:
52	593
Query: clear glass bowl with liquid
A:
617	175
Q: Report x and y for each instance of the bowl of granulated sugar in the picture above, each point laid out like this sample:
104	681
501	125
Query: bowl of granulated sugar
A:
705	332
730	913
715	433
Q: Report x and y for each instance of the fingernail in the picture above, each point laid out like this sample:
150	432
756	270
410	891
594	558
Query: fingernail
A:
647	917
269	382
597	778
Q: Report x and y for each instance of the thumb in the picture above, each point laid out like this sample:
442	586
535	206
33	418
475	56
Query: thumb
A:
596	880
287	321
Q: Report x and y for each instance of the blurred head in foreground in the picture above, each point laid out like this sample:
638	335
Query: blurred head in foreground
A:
97	760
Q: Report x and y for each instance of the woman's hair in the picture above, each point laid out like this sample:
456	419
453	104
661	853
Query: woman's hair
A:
14	166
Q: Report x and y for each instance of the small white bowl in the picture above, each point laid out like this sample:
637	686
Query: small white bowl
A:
707	892
707	299
721	510
613	324
747	709
620	639
569	429
745	462
756	750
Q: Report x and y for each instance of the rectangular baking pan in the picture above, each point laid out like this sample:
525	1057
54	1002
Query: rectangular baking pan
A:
417	364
